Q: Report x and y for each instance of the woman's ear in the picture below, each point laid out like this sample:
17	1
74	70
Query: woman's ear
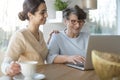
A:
30	16
66	22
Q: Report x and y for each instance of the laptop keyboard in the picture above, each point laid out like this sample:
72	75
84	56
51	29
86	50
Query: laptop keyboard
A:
78	64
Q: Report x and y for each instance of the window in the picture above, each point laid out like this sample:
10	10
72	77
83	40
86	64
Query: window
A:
103	19
9	21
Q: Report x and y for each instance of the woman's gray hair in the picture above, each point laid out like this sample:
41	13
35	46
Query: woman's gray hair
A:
75	10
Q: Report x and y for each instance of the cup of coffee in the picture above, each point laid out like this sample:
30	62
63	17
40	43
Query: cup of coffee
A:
28	69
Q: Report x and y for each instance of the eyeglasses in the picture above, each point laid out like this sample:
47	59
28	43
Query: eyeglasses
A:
74	22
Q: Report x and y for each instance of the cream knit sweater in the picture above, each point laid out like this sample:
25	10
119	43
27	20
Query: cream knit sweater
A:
23	46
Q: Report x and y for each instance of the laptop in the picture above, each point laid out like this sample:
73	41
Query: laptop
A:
105	43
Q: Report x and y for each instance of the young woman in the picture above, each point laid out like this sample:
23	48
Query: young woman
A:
27	44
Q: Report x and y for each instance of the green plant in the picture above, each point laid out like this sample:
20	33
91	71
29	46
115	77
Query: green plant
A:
60	5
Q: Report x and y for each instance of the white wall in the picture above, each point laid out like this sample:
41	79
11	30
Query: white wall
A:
48	27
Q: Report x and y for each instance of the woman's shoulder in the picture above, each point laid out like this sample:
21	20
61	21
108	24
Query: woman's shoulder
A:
19	33
85	33
21	30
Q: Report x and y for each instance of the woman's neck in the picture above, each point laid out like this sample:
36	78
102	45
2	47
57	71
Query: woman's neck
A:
70	34
34	30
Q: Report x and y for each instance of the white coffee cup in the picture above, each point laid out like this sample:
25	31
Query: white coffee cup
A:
28	69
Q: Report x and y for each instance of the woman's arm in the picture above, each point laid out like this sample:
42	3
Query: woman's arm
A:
15	48
69	59
9	67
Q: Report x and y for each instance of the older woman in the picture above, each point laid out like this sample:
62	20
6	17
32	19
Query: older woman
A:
69	45
27	44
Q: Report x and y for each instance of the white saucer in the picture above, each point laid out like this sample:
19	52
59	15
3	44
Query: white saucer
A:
37	76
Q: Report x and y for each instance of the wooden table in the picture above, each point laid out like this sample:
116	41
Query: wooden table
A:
63	72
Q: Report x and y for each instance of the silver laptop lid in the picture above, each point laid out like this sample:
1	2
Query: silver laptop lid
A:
106	43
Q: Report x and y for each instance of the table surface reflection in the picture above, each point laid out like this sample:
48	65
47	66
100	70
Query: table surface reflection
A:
63	72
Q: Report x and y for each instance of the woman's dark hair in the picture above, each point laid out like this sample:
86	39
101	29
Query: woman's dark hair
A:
29	6
75	10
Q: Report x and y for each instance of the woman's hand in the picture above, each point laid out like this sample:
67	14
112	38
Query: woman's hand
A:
50	35
75	59
13	69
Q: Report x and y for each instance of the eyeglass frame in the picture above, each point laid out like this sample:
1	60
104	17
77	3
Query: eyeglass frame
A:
74	22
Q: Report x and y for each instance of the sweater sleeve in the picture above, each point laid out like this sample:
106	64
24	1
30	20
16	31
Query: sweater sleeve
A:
15	48
53	49
5	64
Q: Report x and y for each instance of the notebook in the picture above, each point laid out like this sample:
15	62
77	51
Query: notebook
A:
105	43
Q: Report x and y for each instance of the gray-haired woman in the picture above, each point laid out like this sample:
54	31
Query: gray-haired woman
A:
69	45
